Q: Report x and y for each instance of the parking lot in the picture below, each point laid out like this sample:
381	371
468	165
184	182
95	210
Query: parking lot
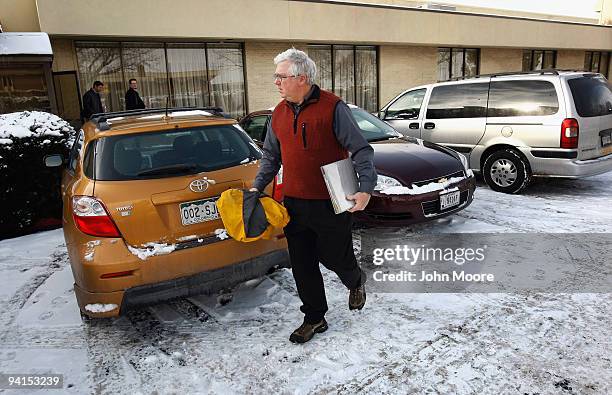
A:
237	341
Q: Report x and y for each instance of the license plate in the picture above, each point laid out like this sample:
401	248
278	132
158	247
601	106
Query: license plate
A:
199	211
449	200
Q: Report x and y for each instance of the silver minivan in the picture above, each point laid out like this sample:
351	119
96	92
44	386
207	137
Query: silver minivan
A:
515	126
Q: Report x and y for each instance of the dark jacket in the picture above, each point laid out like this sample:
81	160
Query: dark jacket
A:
322	123
92	104
133	100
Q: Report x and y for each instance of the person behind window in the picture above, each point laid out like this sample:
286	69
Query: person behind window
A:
132	98
92	103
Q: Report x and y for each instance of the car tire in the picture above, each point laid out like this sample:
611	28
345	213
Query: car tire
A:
506	171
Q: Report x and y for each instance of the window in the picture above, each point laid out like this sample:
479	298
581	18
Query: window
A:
256	127
23	87
408	106
147	63
539	59
519	98
75	151
226	76
186	74
349	71
457	62
598	62
372	128
102	62
592	96
458	101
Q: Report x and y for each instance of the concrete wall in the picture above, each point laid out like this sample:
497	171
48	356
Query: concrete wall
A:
573	60
498	60
403	67
311	22
19	16
262	93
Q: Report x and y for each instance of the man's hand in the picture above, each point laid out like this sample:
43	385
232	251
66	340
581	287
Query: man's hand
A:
361	201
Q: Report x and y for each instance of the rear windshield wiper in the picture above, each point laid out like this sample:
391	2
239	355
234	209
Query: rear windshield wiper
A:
170	169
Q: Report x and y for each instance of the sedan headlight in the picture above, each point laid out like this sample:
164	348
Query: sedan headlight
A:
385	182
466	165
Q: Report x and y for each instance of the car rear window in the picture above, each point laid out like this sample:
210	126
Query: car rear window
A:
592	96
522	98
170	153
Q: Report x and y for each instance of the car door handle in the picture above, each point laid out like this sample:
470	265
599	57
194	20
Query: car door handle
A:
413	125
429	125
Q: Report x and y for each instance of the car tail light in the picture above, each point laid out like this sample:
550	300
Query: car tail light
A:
569	133
91	217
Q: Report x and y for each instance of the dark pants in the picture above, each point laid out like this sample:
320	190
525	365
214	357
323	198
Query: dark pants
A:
315	234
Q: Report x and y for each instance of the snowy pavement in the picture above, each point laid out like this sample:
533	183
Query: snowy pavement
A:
400	343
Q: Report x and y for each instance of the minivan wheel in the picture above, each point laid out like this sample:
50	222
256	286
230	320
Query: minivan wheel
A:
506	171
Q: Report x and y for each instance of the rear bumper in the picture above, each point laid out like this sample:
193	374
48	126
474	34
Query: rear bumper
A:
570	168
201	283
401	210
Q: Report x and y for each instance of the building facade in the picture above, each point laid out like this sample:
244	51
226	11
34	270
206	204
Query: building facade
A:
219	53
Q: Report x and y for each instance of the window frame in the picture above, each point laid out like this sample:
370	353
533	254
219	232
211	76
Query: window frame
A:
354	48
124	44
589	55
451	50
532	52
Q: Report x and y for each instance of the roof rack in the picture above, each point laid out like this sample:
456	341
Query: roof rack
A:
510	73
101	119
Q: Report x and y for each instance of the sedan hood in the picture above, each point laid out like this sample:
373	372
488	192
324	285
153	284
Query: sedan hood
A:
411	161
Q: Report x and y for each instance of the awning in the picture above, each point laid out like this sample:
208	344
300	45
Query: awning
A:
29	44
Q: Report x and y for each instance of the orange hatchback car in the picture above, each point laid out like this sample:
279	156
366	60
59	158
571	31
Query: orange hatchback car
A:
140	220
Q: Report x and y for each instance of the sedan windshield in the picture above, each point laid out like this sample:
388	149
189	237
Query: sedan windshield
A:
373	129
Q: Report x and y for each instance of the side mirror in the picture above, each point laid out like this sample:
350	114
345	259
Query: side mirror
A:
382	114
55	160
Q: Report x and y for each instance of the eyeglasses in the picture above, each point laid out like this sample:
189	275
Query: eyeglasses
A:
282	77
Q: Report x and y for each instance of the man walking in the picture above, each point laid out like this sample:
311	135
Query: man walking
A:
310	128
132	98
92	103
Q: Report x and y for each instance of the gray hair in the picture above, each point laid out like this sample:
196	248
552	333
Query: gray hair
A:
301	64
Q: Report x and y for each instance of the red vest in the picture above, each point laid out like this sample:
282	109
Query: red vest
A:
307	142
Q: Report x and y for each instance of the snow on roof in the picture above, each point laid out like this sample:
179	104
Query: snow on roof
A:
31	123
25	44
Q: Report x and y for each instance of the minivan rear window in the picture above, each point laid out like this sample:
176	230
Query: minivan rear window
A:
522	98
170	153
458	101
592	96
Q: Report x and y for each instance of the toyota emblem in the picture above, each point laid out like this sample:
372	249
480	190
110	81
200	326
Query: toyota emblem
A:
199	185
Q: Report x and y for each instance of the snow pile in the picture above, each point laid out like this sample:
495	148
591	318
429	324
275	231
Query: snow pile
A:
417	190
152	249
89	253
100	308
221	234
31	124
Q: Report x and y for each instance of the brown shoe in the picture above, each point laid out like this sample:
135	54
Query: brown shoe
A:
306	331
357	298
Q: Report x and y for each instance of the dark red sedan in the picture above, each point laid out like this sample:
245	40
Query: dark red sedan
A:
417	180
